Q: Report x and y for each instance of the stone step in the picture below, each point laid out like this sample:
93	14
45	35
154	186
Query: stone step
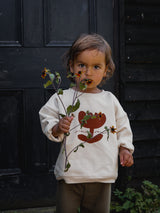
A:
51	209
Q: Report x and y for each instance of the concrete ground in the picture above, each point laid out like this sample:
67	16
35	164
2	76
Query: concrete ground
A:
32	210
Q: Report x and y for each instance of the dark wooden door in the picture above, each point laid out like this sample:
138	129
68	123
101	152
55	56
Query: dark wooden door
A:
34	34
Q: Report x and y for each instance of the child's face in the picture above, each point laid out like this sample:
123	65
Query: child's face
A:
92	65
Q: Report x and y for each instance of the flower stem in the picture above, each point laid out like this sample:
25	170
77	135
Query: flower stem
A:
74	149
67	155
65	150
62	104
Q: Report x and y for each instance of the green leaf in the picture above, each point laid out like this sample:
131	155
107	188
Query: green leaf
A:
85	118
76	149
67	167
58	77
60	92
79	211
89	134
69	75
80	145
73	108
67	134
133	211
62	115
118	193
69	109
82	86
127	205
93	117
77	105
72	85
148	200
51	76
48	83
107	129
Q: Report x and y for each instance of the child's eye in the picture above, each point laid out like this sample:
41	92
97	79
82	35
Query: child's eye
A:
81	65
97	67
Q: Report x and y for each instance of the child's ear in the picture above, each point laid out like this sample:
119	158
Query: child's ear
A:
105	72
71	66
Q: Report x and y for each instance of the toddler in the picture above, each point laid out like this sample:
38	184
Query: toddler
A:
88	160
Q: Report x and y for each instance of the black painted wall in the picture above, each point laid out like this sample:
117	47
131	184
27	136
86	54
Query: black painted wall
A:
140	85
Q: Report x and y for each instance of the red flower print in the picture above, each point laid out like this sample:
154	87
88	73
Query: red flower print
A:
92	123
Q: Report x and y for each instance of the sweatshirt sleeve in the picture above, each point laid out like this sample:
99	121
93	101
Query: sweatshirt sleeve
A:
49	117
124	132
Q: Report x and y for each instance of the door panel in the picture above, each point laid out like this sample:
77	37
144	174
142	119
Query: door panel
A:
60	31
11	109
10	21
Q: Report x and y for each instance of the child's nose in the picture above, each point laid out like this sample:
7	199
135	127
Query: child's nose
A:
88	71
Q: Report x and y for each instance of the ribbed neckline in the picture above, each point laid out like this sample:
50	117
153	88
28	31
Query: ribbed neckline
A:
87	93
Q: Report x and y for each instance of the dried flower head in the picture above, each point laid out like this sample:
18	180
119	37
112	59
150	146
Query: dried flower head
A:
44	73
86	81
99	115
113	129
78	74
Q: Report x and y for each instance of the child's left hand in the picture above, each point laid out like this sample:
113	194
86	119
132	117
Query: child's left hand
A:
126	158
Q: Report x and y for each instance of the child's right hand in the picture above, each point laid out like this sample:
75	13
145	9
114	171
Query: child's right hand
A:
63	126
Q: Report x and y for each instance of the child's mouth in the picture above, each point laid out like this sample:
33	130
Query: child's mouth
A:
87	81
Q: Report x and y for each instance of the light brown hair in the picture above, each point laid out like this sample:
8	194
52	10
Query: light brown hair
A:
90	42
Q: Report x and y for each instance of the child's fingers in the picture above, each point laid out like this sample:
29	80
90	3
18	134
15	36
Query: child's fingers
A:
66	121
126	158
129	162
64	124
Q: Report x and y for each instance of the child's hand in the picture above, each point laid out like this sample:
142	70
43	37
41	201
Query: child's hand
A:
63	126
126	158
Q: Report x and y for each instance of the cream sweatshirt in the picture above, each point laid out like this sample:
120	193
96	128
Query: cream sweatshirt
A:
96	160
